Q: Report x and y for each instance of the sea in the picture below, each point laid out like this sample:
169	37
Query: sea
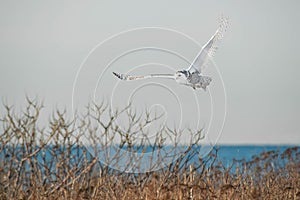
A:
226	154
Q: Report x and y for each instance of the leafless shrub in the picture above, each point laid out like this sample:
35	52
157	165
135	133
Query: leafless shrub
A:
54	162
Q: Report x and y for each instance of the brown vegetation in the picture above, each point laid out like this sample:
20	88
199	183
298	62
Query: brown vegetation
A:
30	169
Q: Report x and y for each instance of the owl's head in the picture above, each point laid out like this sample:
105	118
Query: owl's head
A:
181	76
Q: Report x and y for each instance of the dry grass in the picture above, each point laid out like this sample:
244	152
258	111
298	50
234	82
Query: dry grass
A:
51	163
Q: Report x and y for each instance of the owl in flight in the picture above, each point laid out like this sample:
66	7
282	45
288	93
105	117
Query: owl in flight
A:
191	76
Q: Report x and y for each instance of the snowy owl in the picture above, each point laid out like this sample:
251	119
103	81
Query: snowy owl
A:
191	76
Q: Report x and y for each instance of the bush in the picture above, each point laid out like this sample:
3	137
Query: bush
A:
54	162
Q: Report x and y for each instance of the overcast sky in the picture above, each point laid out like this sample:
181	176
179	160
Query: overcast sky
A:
42	45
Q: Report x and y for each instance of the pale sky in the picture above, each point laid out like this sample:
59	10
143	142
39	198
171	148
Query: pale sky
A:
42	45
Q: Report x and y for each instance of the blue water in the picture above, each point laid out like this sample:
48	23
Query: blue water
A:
227	154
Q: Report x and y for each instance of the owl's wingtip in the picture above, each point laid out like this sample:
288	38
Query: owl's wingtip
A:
117	75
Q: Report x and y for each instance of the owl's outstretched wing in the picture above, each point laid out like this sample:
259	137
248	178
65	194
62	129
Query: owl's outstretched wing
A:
209	49
131	78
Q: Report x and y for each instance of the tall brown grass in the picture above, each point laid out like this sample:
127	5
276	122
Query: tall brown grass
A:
52	163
